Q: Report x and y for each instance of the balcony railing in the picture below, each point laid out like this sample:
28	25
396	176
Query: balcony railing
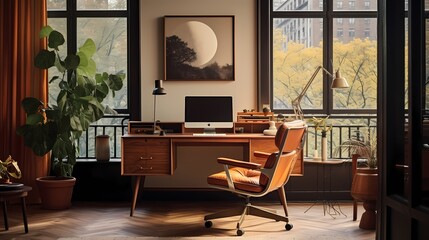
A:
115	126
337	135
343	128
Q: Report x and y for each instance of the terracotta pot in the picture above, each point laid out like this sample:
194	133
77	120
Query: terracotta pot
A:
365	188
56	192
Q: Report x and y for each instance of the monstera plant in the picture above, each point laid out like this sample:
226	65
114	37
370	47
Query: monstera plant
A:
56	128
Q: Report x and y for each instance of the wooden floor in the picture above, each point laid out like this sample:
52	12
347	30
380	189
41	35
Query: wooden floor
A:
178	220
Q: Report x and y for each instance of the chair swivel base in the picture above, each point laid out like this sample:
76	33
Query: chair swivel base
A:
248	209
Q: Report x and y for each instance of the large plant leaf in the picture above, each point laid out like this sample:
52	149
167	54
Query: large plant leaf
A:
62	168
45	31
83	59
40	138
33	119
71	62
76	123
81	91
31	105
55	39
61	147
116	81
44	59
88	70
62	102
101	91
88	48
52	114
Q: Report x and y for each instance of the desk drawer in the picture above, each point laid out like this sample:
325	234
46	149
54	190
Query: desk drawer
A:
143	156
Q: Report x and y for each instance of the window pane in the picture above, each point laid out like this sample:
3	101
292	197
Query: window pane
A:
101	4
297	52
110	37
59	24
355	5
355	54
54	5
297	5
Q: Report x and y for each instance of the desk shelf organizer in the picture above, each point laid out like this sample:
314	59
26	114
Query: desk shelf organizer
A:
255	116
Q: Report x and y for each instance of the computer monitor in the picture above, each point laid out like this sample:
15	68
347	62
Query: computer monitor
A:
209	112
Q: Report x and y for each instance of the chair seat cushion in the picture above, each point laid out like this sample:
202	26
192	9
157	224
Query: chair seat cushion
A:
244	179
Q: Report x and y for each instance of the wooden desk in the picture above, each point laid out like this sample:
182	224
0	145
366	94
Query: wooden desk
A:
146	155
11	194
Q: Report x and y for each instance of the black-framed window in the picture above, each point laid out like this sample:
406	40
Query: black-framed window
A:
114	27
291	63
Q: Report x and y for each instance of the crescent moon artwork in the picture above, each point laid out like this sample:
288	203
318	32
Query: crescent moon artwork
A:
199	48
199	37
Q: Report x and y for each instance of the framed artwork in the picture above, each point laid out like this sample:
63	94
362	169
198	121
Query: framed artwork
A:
199	48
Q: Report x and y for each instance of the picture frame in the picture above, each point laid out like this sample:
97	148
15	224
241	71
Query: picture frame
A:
199	48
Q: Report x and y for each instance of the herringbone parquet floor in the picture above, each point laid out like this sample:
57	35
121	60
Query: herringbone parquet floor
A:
177	220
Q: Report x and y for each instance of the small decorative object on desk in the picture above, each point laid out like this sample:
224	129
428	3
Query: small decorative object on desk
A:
272	130
9	168
102	148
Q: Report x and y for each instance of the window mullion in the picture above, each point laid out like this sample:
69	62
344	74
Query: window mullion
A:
328	55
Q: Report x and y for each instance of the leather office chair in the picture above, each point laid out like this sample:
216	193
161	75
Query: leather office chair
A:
248	179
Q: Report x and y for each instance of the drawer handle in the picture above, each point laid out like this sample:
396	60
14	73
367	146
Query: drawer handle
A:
145	158
145	168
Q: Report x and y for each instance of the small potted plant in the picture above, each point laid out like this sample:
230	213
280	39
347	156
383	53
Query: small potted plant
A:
365	147
56	128
9	168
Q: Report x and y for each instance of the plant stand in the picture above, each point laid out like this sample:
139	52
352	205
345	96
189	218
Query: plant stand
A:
365	188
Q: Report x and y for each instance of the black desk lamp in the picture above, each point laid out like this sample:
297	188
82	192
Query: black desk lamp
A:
158	90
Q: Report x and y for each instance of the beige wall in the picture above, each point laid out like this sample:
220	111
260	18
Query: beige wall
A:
194	163
171	106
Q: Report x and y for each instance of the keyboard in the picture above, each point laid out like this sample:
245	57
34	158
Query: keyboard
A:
209	134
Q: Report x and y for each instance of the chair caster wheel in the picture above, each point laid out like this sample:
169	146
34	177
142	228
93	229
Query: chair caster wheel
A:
240	232
288	226
208	224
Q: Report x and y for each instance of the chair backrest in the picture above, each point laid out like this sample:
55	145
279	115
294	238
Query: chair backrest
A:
289	140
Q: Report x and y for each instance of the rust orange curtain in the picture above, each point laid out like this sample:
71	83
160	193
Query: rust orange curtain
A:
21	21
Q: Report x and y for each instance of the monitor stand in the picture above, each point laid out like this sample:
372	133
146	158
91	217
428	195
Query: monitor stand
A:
209	132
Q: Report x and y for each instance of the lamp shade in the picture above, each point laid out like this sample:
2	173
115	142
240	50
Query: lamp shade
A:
339	82
158	90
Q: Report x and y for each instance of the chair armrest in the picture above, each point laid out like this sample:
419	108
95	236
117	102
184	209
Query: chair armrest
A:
261	154
265	154
239	163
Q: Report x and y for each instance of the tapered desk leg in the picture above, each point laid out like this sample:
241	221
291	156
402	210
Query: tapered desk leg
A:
24	214
137	181
6	224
